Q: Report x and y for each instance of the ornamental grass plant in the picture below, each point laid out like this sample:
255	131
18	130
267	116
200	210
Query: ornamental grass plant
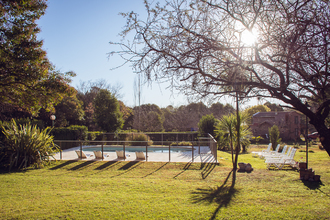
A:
25	145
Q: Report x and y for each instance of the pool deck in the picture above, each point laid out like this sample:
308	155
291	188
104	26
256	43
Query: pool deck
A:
204	156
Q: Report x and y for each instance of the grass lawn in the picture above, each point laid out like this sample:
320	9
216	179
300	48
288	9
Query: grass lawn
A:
147	190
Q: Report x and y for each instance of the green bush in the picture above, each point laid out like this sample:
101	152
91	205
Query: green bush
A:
274	136
25	145
139	139
73	132
182	143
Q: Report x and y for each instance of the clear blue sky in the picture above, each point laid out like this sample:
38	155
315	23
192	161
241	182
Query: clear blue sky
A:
76	35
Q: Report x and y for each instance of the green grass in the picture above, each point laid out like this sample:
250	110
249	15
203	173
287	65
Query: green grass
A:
140	190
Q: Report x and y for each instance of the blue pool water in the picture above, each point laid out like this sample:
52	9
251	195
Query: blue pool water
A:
134	149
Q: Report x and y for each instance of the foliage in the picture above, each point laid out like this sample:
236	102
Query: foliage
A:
69	112
28	80
139	139
73	132
148	118
273	107
25	145
256	139
182	143
200	46
274	136
107	113
206	125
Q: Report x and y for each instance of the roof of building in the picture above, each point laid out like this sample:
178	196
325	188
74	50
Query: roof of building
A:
271	114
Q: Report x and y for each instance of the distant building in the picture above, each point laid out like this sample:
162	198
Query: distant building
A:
288	122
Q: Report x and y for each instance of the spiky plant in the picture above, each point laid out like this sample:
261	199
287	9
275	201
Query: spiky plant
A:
25	145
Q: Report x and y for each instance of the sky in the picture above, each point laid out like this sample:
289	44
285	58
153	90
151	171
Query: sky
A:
76	36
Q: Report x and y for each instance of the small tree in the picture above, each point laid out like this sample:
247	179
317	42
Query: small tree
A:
107	112
274	136
206	125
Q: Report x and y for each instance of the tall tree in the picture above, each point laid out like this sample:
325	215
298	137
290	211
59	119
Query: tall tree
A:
69	111
28	80
107	113
203	45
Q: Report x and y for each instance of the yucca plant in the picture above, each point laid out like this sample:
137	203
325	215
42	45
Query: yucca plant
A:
25	145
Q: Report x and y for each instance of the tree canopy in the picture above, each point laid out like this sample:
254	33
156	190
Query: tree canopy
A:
28	79
107	113
201	47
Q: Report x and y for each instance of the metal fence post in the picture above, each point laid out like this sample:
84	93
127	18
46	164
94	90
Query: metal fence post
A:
80	150
147	152
169	153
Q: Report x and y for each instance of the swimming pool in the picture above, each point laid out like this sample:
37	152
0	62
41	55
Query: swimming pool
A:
138	148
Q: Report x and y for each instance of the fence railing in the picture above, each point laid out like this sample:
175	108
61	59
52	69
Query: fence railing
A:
139	145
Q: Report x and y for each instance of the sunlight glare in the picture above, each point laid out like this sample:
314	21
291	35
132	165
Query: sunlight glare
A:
248	38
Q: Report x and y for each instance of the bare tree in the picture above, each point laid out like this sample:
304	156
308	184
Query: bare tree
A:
202	47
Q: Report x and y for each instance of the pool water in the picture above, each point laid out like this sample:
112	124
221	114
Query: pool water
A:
138	148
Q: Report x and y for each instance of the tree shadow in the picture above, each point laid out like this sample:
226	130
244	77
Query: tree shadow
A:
106	165
221	195
79	166
68	162
156	170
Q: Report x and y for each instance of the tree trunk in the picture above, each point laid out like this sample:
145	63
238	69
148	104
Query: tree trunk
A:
324	133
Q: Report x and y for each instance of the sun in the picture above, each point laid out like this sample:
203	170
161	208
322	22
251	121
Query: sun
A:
248	38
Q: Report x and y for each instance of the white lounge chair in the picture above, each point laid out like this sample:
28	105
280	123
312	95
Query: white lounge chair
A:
98	155
82	155
283	153
120	154
140	155
257	153
282	161
262	155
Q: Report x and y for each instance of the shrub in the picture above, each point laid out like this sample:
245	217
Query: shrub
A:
25	145
206	125
182	143
139	139
274	135
73	132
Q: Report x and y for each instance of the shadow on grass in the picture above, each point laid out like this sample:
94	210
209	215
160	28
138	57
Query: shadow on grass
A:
106	165
159	168
207	169
315	186
128	167
186	167
79	166
221	195
68	162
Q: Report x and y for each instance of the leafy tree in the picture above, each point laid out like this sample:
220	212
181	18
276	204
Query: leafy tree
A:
255	109
274	136
206	125
202	45
273	107
28	80
107	113
148	118
69	111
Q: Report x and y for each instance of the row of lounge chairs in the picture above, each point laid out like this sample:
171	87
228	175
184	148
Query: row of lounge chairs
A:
98	155
277	159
